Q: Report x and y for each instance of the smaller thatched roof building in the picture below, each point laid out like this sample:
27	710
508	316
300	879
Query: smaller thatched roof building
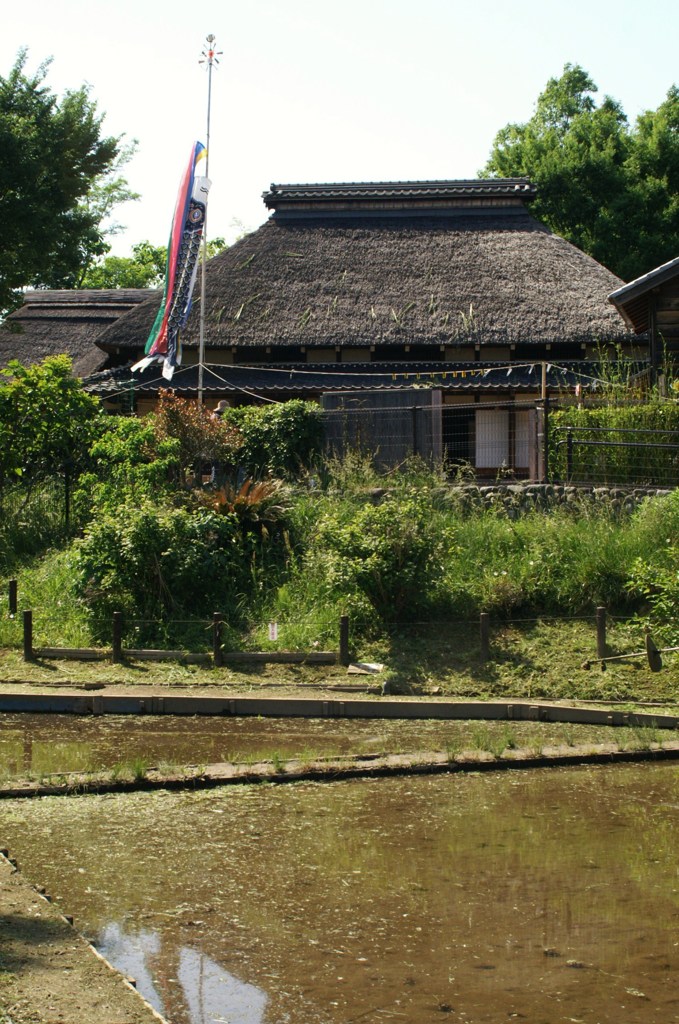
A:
66	322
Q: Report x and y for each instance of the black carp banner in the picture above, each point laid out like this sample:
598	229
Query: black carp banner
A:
183	251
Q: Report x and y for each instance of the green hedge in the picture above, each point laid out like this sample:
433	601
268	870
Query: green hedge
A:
624	425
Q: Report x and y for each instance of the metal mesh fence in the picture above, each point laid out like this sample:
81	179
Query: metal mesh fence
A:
488	439
615	455
496	440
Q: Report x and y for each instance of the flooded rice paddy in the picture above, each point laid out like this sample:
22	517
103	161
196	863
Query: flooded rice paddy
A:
45	744
543	896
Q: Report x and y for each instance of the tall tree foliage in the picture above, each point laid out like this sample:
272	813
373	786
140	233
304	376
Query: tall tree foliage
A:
610	188
59	180
145	268
46	418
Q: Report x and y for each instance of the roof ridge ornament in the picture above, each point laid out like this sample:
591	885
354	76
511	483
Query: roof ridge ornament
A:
399	192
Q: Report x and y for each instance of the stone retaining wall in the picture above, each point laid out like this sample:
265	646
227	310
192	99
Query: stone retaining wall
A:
524	497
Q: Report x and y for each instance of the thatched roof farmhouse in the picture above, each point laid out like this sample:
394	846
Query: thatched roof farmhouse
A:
347	282
371	288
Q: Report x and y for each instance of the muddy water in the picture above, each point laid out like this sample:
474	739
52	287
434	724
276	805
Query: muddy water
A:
546	896
47	744
42	744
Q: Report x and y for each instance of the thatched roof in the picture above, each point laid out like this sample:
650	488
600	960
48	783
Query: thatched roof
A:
65	322
484	272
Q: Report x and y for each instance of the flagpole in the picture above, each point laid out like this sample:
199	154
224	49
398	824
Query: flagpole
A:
210	57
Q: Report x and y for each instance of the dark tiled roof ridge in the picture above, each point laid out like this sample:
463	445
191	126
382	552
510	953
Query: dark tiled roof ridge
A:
253	380
404	183
444	188
80	296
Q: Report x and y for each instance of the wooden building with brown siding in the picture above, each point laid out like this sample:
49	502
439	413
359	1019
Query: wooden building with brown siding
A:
650	306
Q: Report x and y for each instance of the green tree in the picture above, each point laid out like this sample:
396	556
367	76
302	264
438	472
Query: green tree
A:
215	246
611	189
279	440
46	418
59	180
145	268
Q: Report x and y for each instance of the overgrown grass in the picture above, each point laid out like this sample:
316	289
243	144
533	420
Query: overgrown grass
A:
430	559
392	557
45	585
32	518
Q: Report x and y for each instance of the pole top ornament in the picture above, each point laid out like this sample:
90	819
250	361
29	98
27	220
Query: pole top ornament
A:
209	55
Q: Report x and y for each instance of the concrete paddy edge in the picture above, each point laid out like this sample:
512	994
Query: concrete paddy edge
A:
328	769
88	703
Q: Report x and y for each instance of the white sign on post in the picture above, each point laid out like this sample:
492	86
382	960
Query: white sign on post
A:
273	631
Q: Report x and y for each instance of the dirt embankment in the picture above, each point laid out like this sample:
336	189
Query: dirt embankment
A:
49	974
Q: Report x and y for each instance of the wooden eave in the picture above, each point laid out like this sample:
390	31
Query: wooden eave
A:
633	300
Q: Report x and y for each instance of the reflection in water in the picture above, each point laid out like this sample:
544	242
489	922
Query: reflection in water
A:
548	896
213	994
203	992
128	953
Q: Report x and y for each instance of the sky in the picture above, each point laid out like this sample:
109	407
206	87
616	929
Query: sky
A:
305	91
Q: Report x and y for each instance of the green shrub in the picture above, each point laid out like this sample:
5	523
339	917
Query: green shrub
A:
658	585
154	562
279	440
654	576
391	555
47	422
46	418
129	463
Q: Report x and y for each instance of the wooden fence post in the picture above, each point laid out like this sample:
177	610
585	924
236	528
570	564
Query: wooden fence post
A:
67	499
541	444
12	597
601	645
484	633
217	639
117	639
344	640
28	636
